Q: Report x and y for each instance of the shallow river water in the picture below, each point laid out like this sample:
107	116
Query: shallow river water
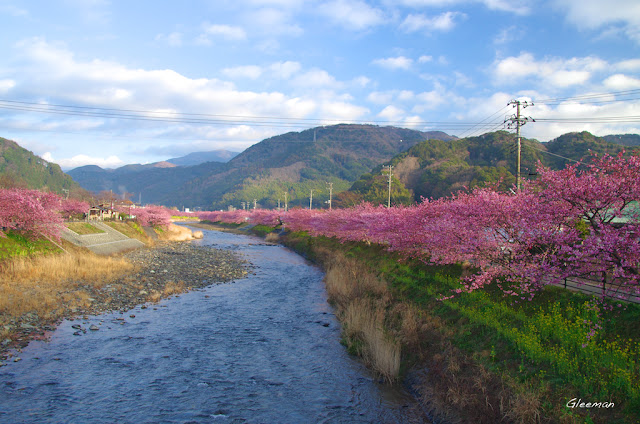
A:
264	349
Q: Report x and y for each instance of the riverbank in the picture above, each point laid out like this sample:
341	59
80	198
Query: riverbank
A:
480	357
144	275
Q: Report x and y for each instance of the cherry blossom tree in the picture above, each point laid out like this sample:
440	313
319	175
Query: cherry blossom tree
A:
604	195
30	212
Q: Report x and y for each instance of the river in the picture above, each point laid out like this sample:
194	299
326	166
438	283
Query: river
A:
264	349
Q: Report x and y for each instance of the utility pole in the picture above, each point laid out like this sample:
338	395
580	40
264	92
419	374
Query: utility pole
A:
255	203
330	193
286	205
518	121
278	204
389	168
311	200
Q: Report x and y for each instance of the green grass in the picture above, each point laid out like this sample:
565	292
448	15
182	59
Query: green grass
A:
130	229
14	245
83	228
543	343
185	218
261	230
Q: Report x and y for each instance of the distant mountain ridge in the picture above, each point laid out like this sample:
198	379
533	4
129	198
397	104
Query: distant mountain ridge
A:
291	162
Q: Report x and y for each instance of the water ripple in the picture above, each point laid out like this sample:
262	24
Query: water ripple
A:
261	350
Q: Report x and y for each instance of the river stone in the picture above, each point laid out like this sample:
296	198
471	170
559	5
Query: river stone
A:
93	327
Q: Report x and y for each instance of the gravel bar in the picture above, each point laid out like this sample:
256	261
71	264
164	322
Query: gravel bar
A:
167	269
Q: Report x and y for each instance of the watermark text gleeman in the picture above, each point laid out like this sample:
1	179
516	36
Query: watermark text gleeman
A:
578	403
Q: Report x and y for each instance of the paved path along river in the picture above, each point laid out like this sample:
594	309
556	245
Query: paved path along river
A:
264	349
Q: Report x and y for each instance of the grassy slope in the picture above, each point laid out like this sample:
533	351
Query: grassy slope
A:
83	228
16	245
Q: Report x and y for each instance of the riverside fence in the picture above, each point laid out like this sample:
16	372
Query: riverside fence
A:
610	289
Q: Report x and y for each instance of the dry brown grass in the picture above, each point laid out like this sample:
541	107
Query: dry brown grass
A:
454	386
272	238
348	279
363	322
179	233
39	285
361	299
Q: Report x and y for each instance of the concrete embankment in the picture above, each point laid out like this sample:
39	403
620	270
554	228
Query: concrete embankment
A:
106	243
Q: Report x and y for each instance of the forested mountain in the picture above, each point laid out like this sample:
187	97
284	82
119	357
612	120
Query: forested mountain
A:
291	162
435	168
21	168
148	183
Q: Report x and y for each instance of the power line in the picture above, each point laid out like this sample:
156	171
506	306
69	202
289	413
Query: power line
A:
590	96
554	154
594	120
198	118
485	119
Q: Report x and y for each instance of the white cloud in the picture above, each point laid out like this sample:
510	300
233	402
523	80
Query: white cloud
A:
429	100
462	80
13	10
443	22
249	71
391	113
557	72
393	63
406	95
109	84
391	96
174	39
518	7
509	35
380	97
595	14
228	32
628	65
82	160
285	70
425	59
6	85
92	11
316	78
493	110
621	82
362	81
272	22
336	110
356	15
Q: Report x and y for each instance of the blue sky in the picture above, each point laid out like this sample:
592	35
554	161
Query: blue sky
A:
251	69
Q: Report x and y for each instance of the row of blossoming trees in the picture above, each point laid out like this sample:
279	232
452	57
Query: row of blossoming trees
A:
583	220
35	214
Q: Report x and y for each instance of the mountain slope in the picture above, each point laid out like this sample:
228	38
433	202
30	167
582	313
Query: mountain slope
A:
291	162
21	168
436	169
